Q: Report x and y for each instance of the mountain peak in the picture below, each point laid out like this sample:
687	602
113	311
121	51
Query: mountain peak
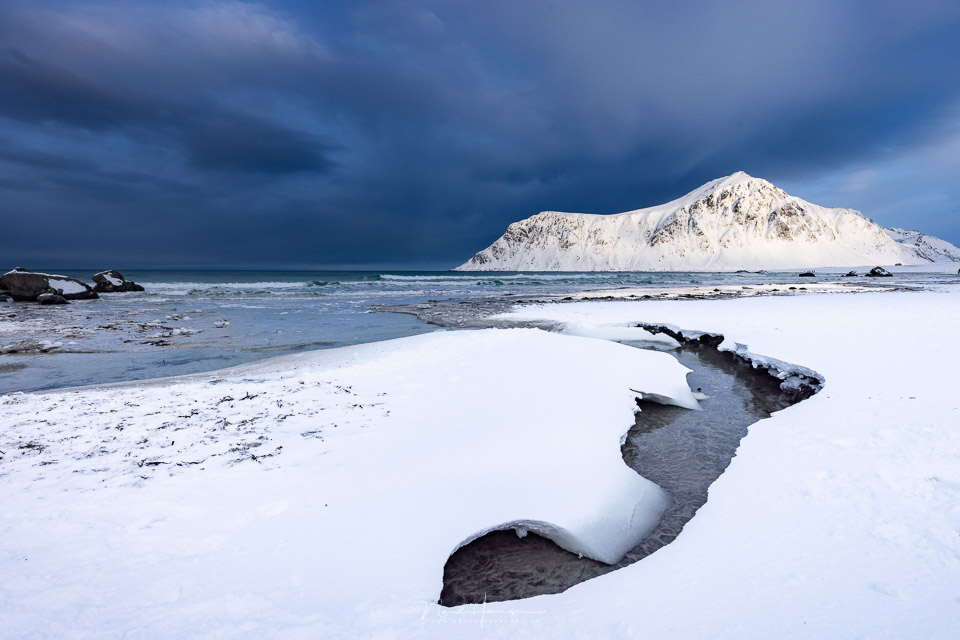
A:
736	179
728	189
737	176
735	222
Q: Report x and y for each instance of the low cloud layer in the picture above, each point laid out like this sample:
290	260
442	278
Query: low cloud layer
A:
412	133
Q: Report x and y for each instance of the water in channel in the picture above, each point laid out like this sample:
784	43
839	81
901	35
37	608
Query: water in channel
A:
683	451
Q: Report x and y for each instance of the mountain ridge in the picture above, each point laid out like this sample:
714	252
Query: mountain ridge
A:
734	222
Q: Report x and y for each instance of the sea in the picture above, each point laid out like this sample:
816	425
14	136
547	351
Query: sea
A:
193	321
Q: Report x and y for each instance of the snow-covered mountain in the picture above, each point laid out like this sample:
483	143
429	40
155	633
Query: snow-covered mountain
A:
930	248
737	222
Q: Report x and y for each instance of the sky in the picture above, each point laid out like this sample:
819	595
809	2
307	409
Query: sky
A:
409	134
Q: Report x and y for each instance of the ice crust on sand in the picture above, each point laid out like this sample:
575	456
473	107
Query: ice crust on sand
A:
334	478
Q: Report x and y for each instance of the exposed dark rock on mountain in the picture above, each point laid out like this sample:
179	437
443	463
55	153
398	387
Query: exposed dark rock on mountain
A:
929	248
737	222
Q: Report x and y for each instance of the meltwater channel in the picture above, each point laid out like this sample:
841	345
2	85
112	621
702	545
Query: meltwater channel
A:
682	451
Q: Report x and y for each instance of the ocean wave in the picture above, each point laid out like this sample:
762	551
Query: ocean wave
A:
184	287
358	288
531	278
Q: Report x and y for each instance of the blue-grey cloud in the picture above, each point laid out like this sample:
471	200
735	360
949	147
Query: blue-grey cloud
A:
384	131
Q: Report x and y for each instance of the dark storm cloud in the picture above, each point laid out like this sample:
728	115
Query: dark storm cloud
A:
212	137
415	131
41	159
247	144
36	92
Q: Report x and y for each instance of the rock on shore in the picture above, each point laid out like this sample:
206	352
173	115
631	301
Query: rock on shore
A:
25	285
51	298
112	281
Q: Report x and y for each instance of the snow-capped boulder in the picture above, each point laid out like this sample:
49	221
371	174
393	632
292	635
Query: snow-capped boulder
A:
879	272
51	298
26	286
112	281
850	274
737	222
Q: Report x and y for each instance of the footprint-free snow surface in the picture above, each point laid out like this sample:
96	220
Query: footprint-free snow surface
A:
321	490
683	451
837	518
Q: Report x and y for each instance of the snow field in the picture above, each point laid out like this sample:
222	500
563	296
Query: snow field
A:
838	518
319	493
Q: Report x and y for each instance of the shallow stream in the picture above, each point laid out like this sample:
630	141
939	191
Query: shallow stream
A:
683	451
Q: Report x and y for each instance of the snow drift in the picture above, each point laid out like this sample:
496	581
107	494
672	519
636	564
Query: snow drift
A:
737	222
317	481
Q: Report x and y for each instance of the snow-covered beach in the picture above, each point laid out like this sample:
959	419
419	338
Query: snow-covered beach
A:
445	320
319	494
